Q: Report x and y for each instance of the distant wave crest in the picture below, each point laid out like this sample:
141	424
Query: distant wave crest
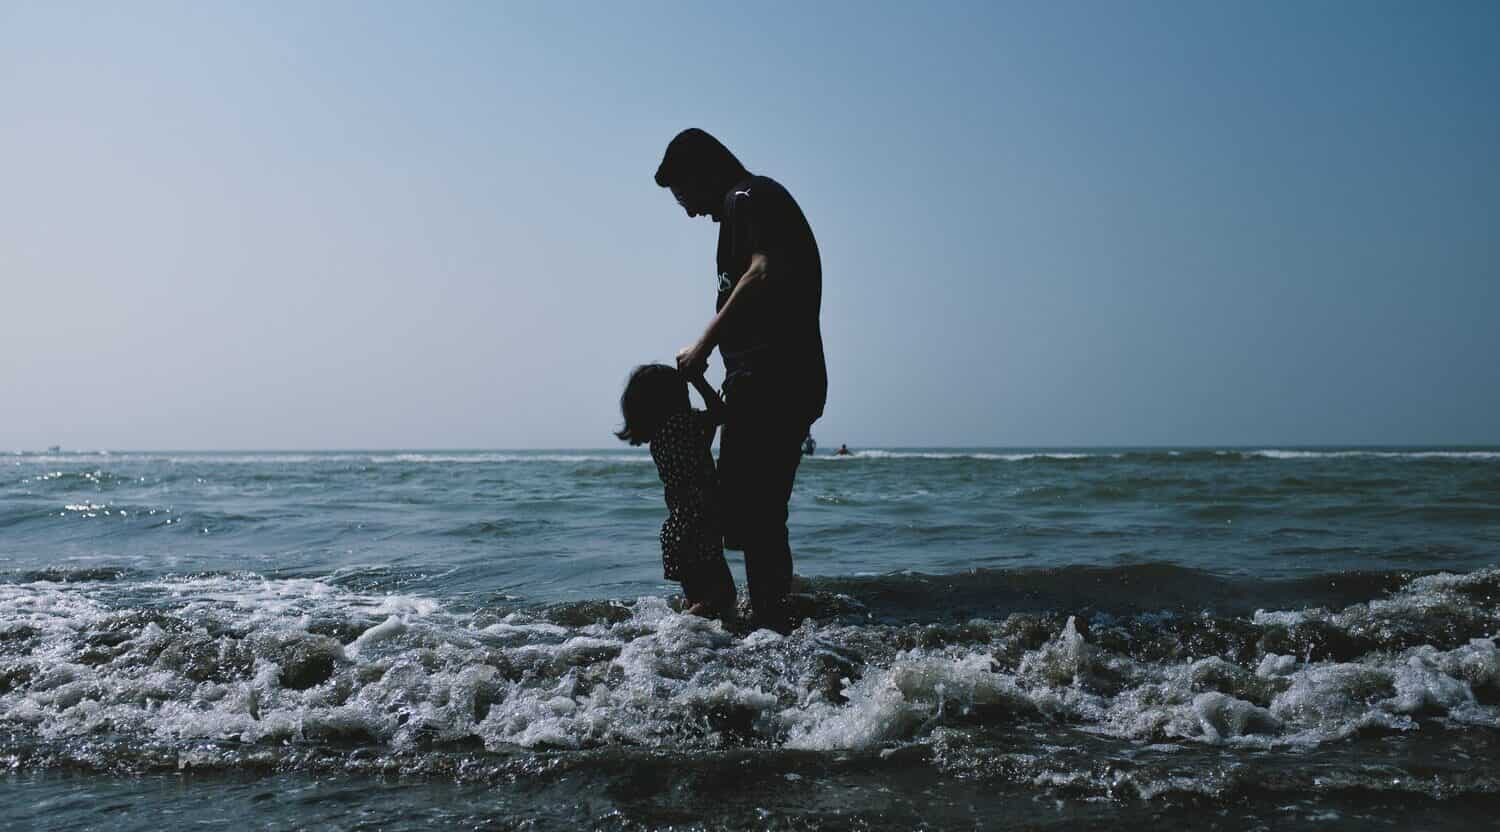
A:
1273	453
1180	455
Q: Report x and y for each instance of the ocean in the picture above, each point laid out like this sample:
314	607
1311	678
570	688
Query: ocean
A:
1232	638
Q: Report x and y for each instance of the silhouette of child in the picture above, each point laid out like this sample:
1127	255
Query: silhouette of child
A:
658	413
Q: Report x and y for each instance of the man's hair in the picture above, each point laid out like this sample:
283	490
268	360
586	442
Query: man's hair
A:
695	155
654	392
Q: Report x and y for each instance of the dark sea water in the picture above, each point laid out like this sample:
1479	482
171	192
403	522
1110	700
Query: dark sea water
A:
1252	638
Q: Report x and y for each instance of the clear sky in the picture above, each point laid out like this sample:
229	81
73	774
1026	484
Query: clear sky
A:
433	225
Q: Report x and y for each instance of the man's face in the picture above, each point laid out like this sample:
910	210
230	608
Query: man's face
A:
697	200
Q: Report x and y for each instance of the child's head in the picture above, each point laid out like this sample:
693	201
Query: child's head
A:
654	392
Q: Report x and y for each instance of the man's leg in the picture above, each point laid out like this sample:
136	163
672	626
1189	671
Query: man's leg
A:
759	451
770	470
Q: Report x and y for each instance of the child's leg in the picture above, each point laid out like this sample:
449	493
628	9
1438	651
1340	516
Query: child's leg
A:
711	584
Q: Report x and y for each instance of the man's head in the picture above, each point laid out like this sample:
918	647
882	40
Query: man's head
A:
699	170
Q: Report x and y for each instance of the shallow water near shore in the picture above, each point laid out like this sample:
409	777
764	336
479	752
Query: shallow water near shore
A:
1049	638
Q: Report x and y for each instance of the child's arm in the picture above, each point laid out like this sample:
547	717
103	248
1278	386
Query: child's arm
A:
711	400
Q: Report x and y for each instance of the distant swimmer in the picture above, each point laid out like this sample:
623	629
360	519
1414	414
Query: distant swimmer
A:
843	451
809	446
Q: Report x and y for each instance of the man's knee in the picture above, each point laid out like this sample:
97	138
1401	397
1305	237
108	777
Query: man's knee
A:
763	527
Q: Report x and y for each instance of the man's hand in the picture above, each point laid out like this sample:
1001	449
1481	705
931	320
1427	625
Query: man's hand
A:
693	361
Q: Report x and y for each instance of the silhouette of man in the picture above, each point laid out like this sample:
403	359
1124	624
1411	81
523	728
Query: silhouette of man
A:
765	326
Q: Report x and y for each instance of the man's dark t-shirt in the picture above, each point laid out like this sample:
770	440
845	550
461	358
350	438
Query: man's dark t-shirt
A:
775	337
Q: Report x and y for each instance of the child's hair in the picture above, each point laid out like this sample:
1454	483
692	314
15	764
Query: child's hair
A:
654	392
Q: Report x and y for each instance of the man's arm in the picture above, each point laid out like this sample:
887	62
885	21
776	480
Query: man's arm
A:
694	359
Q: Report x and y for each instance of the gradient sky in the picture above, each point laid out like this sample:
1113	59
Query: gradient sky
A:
433	225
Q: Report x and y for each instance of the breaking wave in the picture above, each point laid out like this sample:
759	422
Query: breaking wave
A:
105	673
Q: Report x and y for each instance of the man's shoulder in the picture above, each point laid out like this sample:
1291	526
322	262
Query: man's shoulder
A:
758	193
757	186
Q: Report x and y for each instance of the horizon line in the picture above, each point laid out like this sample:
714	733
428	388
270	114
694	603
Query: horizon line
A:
597	448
